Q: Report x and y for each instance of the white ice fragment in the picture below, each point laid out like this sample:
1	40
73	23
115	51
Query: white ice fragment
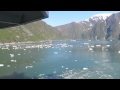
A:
62	66
55	52
29	66
85	68
76	60
18	54
108	45
86	43
92	46
12	55
41	74
54	72
8	65
118	51
33	61
66	68
96	62
98	45
13	60
106	49
90	49
1	65
70	51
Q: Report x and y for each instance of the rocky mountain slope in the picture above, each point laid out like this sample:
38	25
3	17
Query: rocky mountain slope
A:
35	31
98	27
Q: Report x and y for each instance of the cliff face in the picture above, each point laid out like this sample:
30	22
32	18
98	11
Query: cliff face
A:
100	27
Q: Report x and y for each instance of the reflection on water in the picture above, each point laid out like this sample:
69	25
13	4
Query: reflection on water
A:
60	60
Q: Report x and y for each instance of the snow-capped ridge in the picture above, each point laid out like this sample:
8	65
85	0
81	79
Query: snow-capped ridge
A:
101	16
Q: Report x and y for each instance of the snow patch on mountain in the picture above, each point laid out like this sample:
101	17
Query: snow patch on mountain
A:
100	16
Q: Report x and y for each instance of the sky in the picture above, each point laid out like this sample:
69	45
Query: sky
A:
57	18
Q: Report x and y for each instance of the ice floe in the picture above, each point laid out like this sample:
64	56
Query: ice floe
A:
55	52
12	55
1	65
13	60
29	67
85	68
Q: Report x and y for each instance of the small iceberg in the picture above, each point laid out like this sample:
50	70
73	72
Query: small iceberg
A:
29	66
1	65
76	60
85	68
118	51
13	61
62	66
12	55
55	52
66	68
18	54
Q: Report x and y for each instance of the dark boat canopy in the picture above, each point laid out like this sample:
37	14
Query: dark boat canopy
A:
14	18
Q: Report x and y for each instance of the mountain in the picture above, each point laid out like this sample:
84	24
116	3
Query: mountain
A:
35	31
101	27
98	27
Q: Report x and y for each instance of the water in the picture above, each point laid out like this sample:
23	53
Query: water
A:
61	60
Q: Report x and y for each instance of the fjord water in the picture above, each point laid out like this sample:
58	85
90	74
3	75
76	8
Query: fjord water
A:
70	59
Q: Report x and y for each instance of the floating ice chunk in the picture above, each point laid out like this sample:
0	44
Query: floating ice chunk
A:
54	72
66	68
105	60
18	54
103	48
70	51
12	55
85	68
96	62
29	66
108	45
13	60
90	49
62	66
86	43
92	46
33	61
98	45
76	60
1	65
118	51
55	52
24	49
8	65
41	74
